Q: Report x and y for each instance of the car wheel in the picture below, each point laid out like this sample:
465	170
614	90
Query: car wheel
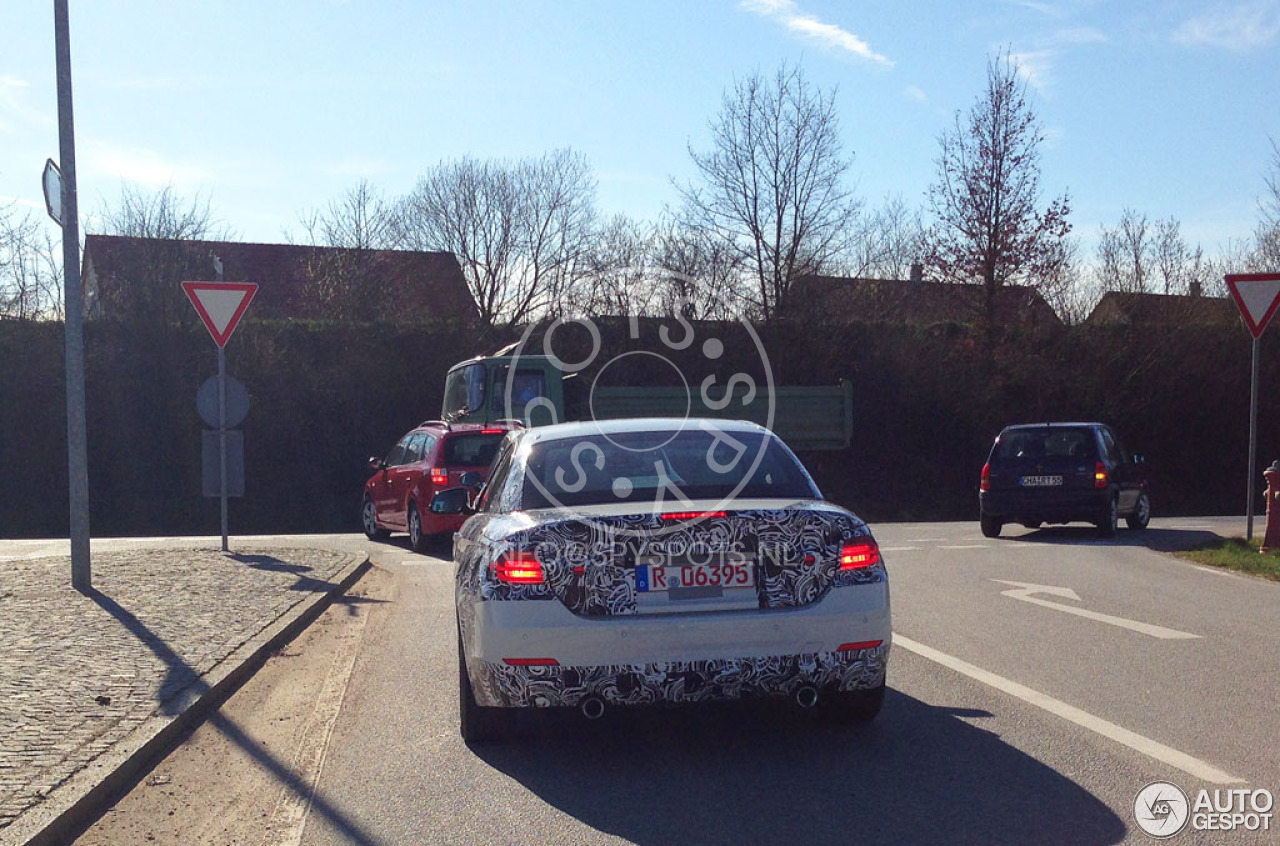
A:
369	520
476	723
1141	515
852	707
417	541
1110	518
991	526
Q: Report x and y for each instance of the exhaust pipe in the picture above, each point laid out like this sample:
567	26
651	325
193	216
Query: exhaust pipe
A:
807	696
593	707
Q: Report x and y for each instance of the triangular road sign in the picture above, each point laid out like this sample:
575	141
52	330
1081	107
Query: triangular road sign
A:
1257	295
220	305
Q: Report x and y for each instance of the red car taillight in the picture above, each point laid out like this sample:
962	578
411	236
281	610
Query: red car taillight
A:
1100	479
439	476
693	515
985	484
518	568
858	554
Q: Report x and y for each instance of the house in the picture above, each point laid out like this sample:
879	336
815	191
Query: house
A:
917	302
140	278
1120	308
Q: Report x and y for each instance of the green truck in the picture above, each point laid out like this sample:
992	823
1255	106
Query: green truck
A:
532	389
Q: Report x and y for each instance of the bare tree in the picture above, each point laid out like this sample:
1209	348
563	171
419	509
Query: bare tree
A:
30	269
989	227
521	230
1138	256
161	215
891	240
1267	233
619	278
360	219
702	274
774	186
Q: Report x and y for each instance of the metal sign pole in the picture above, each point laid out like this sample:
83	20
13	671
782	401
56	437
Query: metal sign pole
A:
77	439
222	438
1253	440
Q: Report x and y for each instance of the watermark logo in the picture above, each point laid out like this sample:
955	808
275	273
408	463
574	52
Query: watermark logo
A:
700	386
1161	809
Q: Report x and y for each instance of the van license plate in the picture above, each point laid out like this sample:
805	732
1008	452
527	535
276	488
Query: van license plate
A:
1041	481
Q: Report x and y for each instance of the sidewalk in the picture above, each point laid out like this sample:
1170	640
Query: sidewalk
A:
92	687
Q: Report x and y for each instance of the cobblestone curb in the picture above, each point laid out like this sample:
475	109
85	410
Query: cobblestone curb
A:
94	688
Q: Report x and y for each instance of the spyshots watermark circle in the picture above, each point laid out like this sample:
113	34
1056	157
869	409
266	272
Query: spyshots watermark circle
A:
1161	809
707	396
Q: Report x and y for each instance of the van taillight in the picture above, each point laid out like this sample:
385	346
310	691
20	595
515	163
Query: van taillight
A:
1100	479
985	484
518	568
858	554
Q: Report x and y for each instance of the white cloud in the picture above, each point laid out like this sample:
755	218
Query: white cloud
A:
359	166
916	93
1240	27
1036	67
826	34
146	167
14	108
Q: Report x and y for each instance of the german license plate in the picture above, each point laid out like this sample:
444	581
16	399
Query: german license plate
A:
1041	481
650	578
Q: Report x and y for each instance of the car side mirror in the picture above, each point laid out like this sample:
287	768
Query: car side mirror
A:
471	479
452	501
376	463
1138	459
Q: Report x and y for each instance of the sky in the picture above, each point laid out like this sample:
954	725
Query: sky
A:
269	108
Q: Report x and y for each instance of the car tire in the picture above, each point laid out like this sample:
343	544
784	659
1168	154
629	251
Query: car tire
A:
417	540
369	521
476	723
1109	520
991	526
1141	515
852	707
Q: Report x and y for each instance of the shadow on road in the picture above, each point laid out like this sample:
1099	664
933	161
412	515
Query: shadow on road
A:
766	773
1160	540
183	685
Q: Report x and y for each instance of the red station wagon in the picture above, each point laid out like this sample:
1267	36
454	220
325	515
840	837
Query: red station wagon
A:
428	459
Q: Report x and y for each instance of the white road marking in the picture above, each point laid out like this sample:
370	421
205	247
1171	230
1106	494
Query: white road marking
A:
1144	745
897	548
925	540
290	814
1023	591
423	562
967	546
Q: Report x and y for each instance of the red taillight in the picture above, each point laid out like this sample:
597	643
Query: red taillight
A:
985	484
531	662
693	515
858	554
439	476
1100	479
862	644
518	568
493	431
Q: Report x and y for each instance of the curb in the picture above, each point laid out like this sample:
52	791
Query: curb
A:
82	798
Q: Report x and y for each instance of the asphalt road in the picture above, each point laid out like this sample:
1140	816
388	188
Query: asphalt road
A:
1038	682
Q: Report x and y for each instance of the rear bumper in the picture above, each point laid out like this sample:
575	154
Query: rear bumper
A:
690	657
1060	506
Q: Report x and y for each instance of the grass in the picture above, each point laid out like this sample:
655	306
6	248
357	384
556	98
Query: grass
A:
1237	554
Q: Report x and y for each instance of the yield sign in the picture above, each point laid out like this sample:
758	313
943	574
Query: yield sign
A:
1257	295
220	305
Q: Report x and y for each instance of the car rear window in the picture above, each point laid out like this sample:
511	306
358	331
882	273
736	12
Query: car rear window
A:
663	465
475	450
1037	444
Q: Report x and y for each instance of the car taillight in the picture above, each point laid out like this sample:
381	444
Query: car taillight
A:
985	484
858	554
531	662
493	431
518	568
1100	476
862	644
439	476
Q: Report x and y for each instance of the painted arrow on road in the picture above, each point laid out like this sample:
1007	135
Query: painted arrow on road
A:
1025	590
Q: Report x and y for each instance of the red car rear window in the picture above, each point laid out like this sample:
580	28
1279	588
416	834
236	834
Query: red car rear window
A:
467	450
